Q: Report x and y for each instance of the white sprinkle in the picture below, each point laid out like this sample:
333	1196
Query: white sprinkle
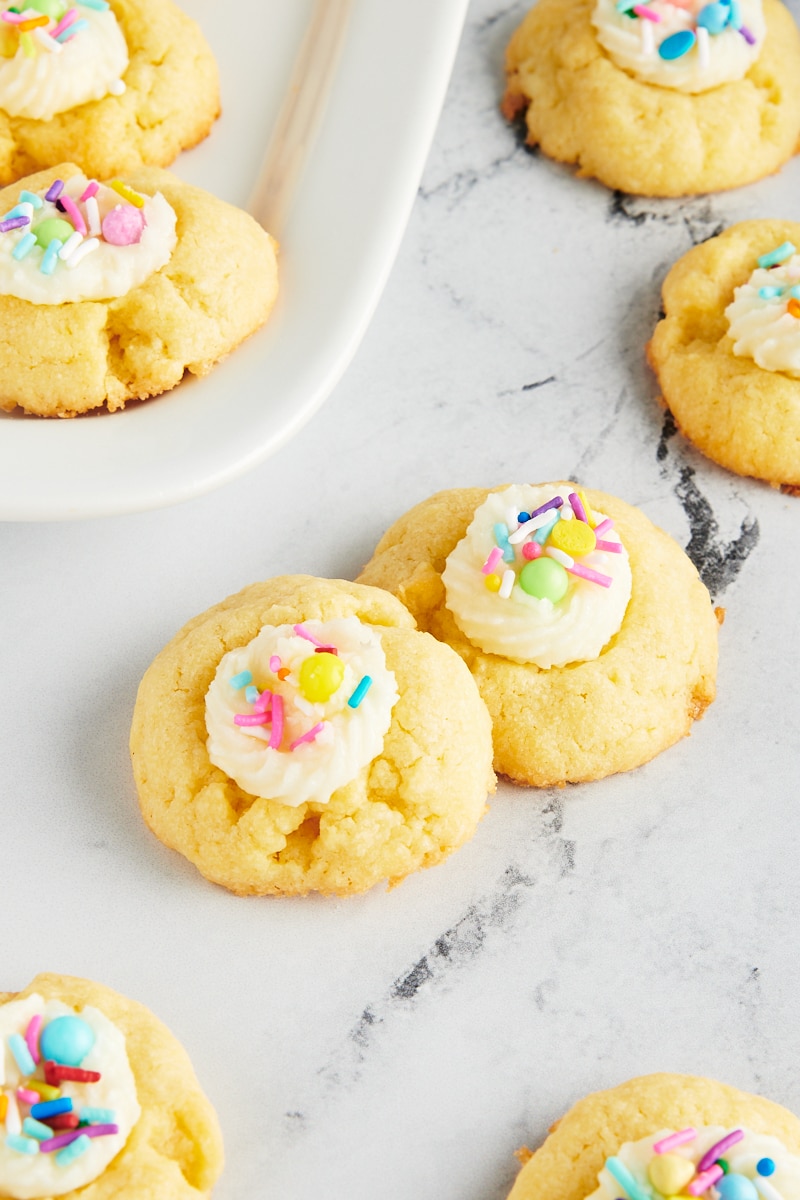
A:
71	244
26	209
648	38
566	513
504	590
46	42
79	255
13	1122
766	1189
535	523
93	216
118	87
559	556
511	519
305	706
703	55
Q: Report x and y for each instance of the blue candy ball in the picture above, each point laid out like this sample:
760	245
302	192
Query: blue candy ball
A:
66	1040
736	1187
765	1166
713	17
677	44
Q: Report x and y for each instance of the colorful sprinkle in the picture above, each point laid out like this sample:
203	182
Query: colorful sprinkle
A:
123	225
609	547
251	694
50	259
47	42
13	1120
560	557
361	689
22	1055
63	1121
766	1190
3	1106
91	189
501	536
28	45
543	534
70	246
13	223
82	252
75	28
307	737
537	521
778	255
127	193
97	5
491	562
93	215
749	37
99	1116
718	1149
276	736
642	10
769	293
22	1145
27	1096
704	1180
73	1150
302	632
677	44
54	1072
247	719
590	575
793	308
74	214
703	48
531	550
264	702
56	187
617	1169
765	1166
43	1090
36	1129
241	680
603	527
506	585
51	1108
31	198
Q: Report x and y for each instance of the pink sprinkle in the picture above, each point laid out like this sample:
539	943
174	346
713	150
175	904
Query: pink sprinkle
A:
27	1096
577	507
90	190
302	632
675	1139
531	550
603	527
264	702
123	226
14	18
72	211
641	10
64	1139
592	576
32	1036
717	1150
277	722
701	1183
250	719
611	548
69	18
492	561
275	663
308	737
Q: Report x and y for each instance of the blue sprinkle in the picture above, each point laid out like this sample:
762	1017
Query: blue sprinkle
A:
776	256
523	517
543	534
50	260
735	15
765	1166
65	35
713	18
22	1055
36	1129
251	694
97	5
501	537
362	688
24	246
769	293
616	1168
241	680
51	1108
30	198
73	1150
23	1145
98	1116
794	292
677	44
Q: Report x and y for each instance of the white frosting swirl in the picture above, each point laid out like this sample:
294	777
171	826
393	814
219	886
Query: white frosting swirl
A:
86	67
632	43
741	1159
762	328
522	627
109	271
26	1177
351	737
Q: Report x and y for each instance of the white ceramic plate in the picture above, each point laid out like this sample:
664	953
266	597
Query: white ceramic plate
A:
340	240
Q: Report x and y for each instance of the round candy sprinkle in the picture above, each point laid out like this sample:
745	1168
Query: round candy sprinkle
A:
123	226
677	44
531	550
669	1173
573	537
51	228
523	517
736	1187
713	17
320	676
545	579
493	582
723	1163
793	308
765	1166
66	1040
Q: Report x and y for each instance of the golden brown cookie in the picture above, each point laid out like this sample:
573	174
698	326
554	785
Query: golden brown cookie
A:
583	720
216	287
169	102
174	1148
581	108
744	417
412	797
567	1165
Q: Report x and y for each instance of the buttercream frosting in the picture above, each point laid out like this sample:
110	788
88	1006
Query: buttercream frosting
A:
764	327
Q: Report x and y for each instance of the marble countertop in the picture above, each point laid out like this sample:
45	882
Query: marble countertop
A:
405	1043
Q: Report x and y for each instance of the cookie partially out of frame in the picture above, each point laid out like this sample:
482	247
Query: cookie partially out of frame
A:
585	720
566	1166
742	416
583	109
418	799
170	102
174	1150
217	287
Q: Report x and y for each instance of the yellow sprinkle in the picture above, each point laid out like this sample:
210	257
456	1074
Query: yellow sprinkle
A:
493	582
590	517
3	1107
45	1090
127	193
28	45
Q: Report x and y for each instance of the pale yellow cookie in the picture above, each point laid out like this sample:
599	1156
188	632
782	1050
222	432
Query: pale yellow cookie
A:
419	797
169	102
581	108
566	1166
584	720
174	1150
216	288
741	415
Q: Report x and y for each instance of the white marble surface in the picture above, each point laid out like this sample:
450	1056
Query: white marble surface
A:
404	1044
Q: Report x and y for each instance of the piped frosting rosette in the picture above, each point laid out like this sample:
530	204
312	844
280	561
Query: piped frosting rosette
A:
688	45
710	1162
298	711
55	56
764	316
539	577
67	1097
83	240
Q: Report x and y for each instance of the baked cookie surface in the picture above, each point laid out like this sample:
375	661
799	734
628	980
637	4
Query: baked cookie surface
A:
215	287
649	140
741	415
583	720
173	1151
406	807
169	102
567	1165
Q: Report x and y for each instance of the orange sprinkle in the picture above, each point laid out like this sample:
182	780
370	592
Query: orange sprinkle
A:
3	1107
793	307
33	23
284	671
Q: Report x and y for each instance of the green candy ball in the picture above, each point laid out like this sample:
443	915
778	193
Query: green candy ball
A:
52	227
50	8
544	578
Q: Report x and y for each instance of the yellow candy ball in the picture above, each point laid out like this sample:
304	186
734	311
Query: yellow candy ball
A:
669	1173
573	537
493	582
320	676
